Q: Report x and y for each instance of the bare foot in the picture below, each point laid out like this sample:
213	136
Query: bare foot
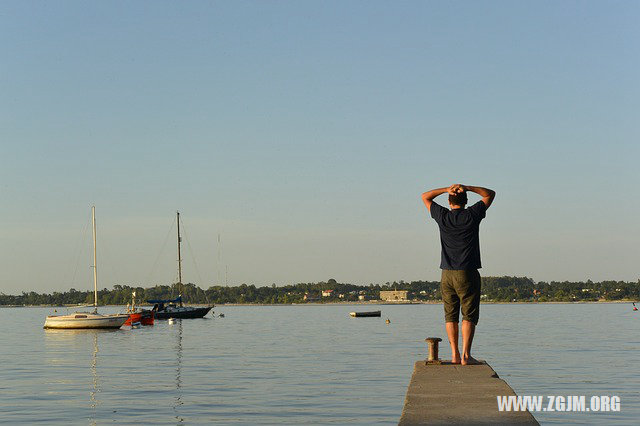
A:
455	358
470	361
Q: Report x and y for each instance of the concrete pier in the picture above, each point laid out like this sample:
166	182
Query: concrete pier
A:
458	394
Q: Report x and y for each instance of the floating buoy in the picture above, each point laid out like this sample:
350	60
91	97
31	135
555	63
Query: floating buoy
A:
634	306
388	321
172	320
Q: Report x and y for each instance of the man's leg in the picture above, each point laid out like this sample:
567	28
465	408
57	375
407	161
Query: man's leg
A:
468	330
469	291
451	303
452	334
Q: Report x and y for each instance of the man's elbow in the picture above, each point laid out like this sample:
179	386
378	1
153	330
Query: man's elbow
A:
427	200
488	200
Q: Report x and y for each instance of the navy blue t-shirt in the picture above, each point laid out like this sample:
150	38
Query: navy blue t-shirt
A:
459	235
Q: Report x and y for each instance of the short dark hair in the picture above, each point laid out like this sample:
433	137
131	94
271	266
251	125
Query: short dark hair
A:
460	199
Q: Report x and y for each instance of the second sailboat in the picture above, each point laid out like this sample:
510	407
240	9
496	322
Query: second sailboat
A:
174	308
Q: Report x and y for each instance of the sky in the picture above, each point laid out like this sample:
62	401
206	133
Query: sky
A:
303	133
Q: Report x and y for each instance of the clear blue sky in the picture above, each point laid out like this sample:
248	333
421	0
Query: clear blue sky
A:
304	133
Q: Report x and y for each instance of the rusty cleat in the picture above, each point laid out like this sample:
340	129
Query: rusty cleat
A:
433	350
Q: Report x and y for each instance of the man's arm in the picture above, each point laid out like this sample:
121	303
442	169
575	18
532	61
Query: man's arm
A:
487	194
428	196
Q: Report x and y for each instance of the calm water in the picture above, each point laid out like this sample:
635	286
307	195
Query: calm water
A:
303	364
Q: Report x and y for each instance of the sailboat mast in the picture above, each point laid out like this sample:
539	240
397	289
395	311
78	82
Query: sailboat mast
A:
219	257
95	259
179	259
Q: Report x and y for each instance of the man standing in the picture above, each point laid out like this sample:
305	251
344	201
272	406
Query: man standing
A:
460	261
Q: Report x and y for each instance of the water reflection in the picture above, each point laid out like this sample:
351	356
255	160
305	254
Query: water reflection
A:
313	375
96	382
178	398
61	343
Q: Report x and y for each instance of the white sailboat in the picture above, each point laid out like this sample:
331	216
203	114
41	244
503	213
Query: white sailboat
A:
88	319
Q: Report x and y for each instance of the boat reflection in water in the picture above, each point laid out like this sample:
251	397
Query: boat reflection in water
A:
178	397
94	375
59	341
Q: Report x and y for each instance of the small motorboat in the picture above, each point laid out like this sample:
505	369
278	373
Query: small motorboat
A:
366	314
142	317
137	315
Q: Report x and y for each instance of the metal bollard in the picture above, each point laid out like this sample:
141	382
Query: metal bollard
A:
433	350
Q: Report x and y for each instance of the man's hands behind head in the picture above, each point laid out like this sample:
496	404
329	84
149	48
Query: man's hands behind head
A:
456	188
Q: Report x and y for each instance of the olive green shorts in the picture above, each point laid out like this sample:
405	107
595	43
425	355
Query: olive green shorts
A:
461	291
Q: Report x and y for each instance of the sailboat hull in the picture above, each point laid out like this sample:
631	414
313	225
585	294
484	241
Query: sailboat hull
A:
183	312
84	321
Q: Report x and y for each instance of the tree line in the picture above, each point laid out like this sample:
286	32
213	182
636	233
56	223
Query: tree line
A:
498	289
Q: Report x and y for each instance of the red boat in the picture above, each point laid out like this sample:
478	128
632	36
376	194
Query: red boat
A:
144	317
138	316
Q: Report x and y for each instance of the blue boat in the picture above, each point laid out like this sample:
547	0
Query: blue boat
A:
173	308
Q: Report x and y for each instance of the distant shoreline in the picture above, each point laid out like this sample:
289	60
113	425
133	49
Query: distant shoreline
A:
369	303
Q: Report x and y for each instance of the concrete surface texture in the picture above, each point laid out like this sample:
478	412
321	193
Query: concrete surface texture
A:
456	395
